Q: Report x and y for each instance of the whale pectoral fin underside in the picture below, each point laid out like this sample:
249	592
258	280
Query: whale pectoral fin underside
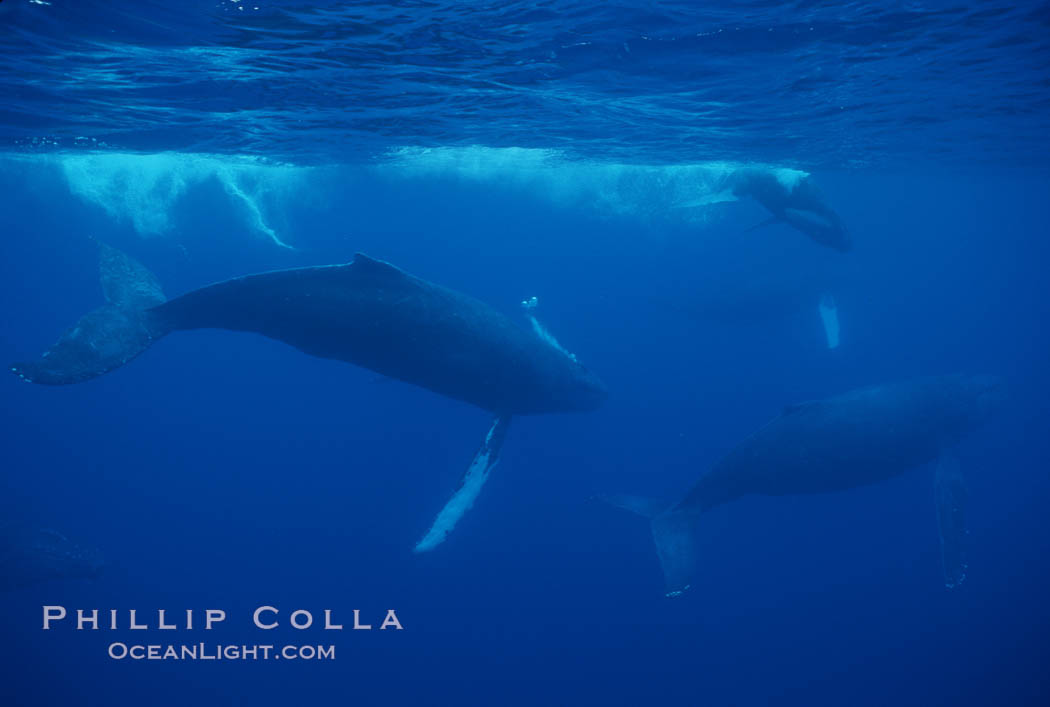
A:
470	485
951	496
829	317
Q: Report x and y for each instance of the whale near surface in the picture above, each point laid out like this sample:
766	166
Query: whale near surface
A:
367	312
835	444
793	198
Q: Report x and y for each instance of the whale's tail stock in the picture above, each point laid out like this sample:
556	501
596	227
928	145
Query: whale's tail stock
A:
672	532
109	336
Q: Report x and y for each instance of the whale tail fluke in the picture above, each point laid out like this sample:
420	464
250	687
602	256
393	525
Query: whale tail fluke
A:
109	336
672	534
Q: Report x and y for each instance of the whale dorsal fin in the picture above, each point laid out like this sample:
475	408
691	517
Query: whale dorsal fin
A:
379	268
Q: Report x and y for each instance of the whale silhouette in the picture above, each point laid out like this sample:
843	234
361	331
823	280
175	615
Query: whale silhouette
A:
366	312
797	202
835	444
31	554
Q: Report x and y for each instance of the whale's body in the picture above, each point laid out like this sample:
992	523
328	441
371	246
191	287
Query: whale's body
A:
797	203
839	443
851	440
374	315
366	312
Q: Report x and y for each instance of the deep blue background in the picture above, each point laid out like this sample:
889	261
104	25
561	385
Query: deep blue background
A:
223	470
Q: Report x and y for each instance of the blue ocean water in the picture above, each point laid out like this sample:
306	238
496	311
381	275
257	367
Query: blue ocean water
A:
577	152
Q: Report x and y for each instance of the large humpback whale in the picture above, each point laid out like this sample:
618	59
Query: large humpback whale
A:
838	443
368	313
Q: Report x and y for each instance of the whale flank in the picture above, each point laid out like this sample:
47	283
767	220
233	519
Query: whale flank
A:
368	313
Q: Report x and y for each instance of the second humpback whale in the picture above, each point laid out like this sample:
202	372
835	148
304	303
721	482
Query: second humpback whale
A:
366	312
796	202
838	443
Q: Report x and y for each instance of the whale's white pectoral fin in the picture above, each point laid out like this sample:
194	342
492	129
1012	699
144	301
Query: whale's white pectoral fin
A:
951	497
829	315
469	486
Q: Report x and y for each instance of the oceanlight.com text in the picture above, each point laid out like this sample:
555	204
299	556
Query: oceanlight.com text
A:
205	651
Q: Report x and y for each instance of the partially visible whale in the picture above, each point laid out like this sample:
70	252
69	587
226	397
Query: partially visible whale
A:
758	278
840	443
366	312
30	555
795	201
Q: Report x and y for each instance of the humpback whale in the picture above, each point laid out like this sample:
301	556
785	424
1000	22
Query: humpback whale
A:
30	555
366	312
852	440
796	202
758	278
